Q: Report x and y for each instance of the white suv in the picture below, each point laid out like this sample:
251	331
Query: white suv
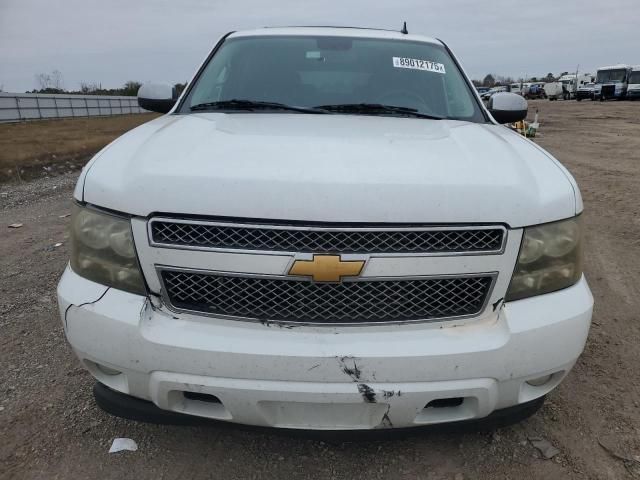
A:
328	230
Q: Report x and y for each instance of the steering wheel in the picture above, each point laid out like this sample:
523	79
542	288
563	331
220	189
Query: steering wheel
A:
403	98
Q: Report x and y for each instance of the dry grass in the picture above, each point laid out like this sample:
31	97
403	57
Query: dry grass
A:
33	149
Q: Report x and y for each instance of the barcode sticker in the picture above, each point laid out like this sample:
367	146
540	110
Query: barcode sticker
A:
416	64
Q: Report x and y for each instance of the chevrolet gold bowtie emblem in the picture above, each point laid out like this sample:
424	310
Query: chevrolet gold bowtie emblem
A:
326	268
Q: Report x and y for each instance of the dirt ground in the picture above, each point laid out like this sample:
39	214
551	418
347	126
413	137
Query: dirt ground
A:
36	149
50	427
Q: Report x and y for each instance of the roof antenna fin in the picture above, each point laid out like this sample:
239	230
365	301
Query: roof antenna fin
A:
404	29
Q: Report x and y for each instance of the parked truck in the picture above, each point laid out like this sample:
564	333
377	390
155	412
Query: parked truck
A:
275	251
572	82
612	82
633	87
585	92
534	90
553	90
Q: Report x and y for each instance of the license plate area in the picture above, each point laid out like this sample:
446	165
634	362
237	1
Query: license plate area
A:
323	416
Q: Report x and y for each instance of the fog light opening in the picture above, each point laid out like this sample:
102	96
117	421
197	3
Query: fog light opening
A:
445	402
201	397
539	381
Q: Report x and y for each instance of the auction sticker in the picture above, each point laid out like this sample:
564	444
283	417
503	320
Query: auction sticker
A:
416	64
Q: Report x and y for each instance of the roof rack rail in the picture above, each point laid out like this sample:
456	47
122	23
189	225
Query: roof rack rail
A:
331	26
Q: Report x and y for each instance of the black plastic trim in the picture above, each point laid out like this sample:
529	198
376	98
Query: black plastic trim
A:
508	116
157	105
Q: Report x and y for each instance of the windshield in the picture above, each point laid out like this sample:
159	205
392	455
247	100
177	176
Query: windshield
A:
612	76
317	71
634	77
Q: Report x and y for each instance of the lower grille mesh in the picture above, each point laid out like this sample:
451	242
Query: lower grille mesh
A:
274	299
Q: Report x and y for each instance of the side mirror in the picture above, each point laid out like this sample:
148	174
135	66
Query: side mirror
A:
508	107
157	97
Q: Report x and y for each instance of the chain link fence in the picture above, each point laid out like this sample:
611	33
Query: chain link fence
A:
16	107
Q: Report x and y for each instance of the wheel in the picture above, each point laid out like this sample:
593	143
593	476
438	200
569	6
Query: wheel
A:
578	99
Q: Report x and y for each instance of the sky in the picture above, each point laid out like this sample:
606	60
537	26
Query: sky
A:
113	41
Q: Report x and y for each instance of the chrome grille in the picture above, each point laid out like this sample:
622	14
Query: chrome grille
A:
326	240
303	301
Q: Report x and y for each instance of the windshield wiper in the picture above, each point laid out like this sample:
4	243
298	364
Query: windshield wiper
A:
376	108
251	105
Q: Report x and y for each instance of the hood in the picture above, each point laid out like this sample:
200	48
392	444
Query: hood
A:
330	168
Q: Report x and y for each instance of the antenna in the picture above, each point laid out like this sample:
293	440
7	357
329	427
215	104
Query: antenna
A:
404	29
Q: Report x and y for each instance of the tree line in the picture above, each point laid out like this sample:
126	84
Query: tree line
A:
491	80
53	82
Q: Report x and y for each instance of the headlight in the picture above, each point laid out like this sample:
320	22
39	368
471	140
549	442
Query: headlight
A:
550	259
102	250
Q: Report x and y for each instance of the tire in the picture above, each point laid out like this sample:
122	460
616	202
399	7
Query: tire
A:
578	99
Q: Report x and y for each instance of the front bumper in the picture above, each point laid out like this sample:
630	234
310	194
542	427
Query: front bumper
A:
324	377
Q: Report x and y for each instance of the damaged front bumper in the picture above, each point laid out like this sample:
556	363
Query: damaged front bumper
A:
325	377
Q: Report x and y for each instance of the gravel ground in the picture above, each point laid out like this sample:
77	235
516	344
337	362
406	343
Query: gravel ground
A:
51	428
